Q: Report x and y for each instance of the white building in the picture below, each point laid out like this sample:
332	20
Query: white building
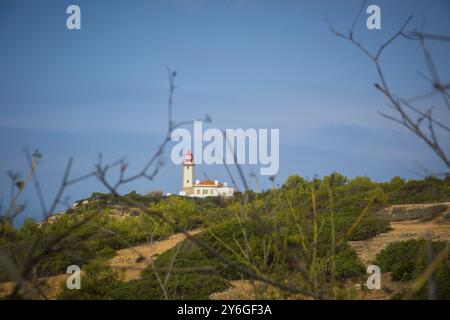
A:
201	189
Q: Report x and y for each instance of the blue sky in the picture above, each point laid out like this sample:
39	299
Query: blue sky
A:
248	64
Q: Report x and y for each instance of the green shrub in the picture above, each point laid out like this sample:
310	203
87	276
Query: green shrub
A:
98	282
407	259
367	228
430	189
347	264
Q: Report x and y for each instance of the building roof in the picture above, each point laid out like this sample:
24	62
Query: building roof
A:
208	183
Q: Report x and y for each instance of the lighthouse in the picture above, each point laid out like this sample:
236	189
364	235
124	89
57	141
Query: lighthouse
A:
188	174
201	189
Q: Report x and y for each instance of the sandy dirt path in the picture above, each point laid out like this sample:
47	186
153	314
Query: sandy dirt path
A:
401	230
135	259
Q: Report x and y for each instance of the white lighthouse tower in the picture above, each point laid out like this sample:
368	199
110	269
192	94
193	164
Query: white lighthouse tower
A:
201	189
188	174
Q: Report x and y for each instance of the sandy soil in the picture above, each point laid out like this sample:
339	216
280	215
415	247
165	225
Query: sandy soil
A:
135	259
245	290
50	286
401	230
388	289
240	290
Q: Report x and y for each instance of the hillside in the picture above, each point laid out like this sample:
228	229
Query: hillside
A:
316	236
